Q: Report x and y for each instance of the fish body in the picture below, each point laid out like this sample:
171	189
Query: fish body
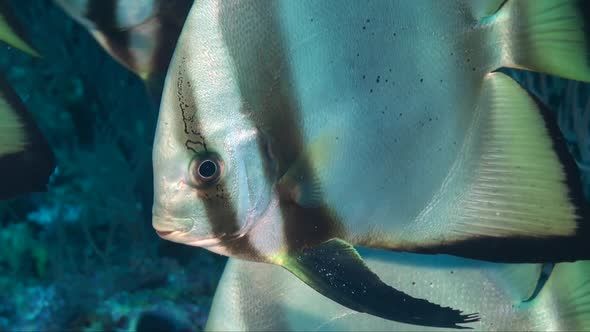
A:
263	297
290	131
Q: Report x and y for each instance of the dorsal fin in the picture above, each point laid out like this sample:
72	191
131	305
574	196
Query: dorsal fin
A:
520	196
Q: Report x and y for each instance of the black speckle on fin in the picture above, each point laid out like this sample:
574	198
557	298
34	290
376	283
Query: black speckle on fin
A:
336	270
27	170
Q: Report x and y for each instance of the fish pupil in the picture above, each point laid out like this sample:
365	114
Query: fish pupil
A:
207	169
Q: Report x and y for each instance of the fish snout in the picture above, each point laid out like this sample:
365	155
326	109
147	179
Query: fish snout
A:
167	227
184	231
163	234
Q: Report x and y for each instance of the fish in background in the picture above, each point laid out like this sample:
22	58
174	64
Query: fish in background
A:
262	297
26	159
11	32
291	131
139	34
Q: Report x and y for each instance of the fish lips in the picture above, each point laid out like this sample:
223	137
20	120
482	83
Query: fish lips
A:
180	237
196	240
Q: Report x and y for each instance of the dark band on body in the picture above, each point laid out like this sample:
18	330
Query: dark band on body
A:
30	169
266	85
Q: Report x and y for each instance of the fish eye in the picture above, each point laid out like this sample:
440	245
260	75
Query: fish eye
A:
205	170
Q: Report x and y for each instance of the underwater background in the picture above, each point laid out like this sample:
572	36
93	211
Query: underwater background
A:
84	256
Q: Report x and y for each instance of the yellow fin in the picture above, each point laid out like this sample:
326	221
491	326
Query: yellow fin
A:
516	194
519	185
12	131
26	161
9	33
550	36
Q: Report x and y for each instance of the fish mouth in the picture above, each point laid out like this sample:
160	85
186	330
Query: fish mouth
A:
184	238
163	234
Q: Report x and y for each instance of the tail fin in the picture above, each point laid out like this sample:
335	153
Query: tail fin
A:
550	36
26	161
568	291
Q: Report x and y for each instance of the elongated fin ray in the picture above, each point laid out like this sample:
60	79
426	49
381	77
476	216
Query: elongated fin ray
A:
336	270
26	161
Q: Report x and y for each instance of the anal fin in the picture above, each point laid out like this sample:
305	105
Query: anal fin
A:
337	271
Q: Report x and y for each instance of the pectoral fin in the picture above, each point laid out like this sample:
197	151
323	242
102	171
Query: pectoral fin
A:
336	270
302	185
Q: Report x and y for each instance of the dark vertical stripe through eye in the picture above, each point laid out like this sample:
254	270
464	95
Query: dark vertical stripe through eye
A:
221	213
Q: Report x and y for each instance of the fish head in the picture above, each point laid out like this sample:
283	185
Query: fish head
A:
211	167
